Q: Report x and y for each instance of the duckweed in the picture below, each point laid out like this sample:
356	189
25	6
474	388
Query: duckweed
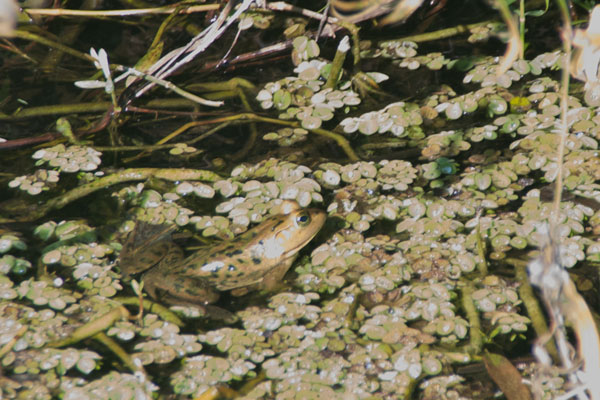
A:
364	302
69	159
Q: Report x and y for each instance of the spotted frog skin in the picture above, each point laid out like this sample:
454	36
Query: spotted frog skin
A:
255	260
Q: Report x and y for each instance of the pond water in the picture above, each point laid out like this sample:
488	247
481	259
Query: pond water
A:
435	169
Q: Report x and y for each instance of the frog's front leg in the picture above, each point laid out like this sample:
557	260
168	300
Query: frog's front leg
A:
173	288
270	281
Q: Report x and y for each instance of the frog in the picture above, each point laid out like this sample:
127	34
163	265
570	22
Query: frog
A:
255	260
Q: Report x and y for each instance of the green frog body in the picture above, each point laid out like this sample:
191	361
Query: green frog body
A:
255	260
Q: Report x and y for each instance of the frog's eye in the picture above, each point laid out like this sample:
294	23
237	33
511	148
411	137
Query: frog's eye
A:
303	219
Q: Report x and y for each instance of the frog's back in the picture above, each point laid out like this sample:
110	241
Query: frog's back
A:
225	264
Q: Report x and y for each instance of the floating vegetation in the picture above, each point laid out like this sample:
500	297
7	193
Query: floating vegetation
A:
435	203
394	118
37	182
287	136
68	159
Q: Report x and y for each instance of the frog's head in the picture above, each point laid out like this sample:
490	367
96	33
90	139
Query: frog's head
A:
286	234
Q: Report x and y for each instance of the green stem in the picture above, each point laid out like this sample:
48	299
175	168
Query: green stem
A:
61	109
119	352
443	33
253	128
126	175
534	311
21	34
522	26
135	148
170	86
63	12
475	333
149	149
339	139
152	307
337	63
93	327
482	266
564	106
515	46
8	346
98	106
353	29
251	117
